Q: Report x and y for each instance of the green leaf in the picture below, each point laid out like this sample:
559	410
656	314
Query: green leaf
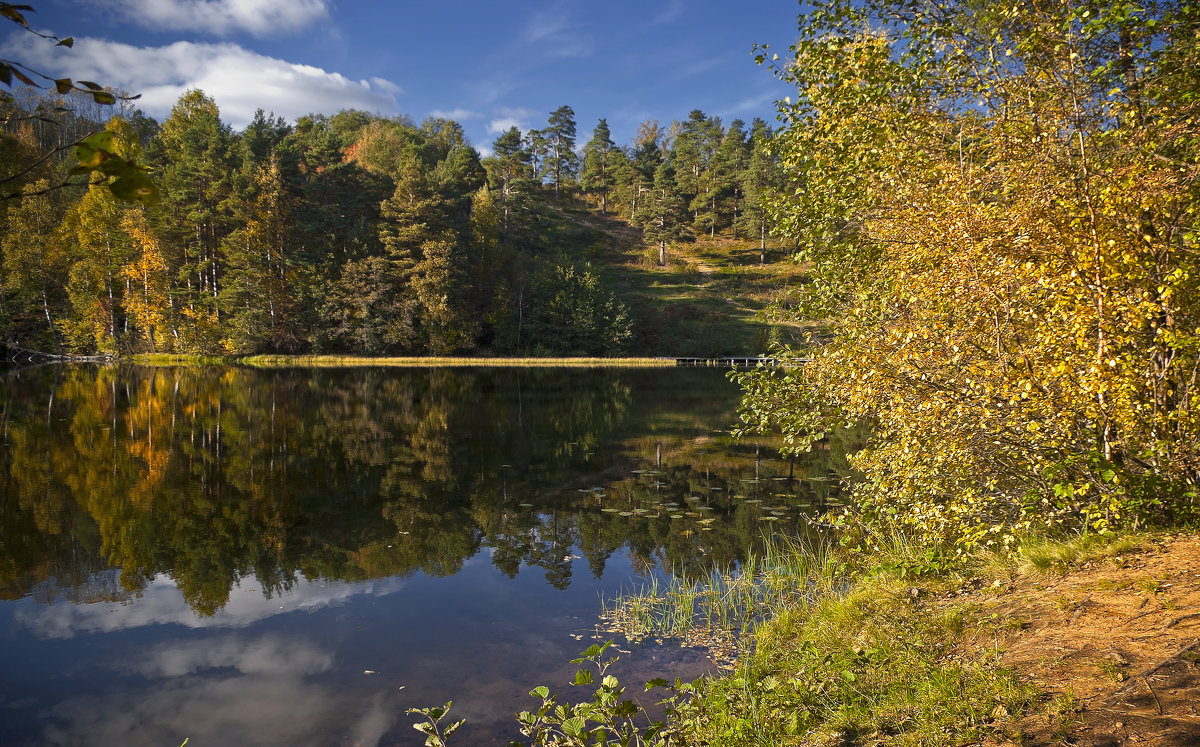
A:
102	140
103	97
625	709
583	677
93	150
63	85
541	691
656	682
136	186
67	42
574	726
89	158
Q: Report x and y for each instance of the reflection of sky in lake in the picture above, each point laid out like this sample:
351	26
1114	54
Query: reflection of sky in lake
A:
161	603
466	500
293	669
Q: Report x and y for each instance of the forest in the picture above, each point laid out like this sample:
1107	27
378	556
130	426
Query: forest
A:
353	233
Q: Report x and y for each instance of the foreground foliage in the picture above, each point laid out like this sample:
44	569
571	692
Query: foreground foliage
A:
999	205
844	649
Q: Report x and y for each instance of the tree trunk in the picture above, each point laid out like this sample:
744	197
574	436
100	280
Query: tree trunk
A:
49	321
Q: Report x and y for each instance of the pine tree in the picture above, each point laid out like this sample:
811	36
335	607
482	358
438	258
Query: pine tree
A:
692	149
647	157
726	174
560	163
195	167
597	174
759	182
510	171
662	212
260	293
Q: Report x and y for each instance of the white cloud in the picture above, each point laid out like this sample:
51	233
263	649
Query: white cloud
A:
552	34
221	690
161	603
239	80
763	102
507	116
223	17
673	12
496	126
458	115
269	656
546	25
387	86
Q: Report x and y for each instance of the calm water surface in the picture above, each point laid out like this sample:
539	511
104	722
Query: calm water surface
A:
296	557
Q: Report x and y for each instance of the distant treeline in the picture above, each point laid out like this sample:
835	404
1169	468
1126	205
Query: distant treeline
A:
350	233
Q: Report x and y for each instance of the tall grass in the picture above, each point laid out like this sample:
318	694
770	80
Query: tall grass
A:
728	602
834	648
1045	555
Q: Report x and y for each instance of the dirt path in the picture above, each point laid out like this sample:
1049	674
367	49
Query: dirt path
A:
1115	645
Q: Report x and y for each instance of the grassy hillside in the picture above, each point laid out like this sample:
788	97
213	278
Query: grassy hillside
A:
707	300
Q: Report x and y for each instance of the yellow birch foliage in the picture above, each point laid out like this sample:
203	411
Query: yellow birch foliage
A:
999	207
147	300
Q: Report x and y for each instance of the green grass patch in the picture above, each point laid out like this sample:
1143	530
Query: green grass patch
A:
864	666
170	359
1043	555
707	300
836	648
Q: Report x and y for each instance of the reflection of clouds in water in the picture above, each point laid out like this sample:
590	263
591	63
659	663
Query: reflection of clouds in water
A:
161	602
374	723
264	700
269	656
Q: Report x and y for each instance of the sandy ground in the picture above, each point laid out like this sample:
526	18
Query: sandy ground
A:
1114	644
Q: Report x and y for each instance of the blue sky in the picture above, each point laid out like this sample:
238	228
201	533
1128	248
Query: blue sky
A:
487	65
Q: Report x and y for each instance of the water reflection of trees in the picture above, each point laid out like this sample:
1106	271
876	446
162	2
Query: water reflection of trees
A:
208	474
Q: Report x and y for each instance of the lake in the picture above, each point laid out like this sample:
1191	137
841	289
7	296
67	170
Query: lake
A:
296	556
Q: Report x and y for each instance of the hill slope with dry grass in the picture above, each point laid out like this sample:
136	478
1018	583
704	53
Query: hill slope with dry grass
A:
709	298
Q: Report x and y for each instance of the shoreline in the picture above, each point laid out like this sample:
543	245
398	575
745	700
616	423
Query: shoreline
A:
1091	639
